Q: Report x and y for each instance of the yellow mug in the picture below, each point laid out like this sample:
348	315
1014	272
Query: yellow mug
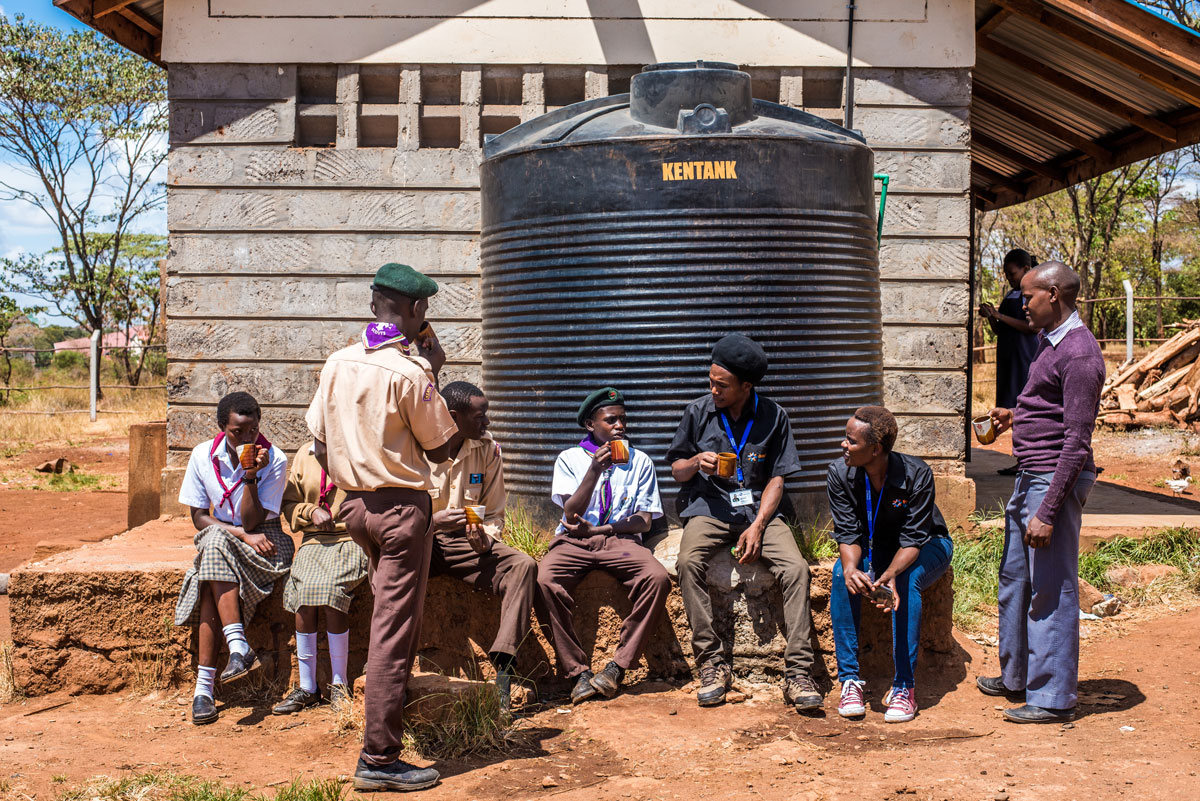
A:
475	514
985	429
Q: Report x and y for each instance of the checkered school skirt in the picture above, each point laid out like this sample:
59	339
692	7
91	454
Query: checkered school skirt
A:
222	557
325	574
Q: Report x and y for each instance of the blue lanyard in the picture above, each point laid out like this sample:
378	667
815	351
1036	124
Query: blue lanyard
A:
871	515
745	436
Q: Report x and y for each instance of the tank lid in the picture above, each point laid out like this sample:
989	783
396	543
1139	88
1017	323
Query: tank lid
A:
665	95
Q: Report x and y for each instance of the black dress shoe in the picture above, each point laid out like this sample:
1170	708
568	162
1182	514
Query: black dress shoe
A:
239	666
608	681
398	775
583	688
994	685
296	700
1039	714
204	710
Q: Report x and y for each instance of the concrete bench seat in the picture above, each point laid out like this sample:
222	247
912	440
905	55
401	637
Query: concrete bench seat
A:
99	618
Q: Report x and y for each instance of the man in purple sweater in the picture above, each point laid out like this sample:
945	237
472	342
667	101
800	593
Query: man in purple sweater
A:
1052	440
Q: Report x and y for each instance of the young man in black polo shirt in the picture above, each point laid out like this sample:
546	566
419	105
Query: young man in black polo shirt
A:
743	511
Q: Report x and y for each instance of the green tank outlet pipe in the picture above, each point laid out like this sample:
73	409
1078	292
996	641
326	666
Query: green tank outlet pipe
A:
883	178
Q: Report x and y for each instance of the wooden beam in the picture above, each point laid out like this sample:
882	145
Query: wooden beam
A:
1149	71
142	21
1027	115
102	7
1081	90
117	28
1138	28
1016	157
993	22
994	178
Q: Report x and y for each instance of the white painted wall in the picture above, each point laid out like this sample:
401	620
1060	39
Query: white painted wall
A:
888	33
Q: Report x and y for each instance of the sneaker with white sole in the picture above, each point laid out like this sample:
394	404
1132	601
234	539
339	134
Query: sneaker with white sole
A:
853	703
901	705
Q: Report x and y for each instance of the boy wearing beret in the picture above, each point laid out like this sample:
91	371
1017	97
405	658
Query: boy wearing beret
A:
378	422
742	512
607	507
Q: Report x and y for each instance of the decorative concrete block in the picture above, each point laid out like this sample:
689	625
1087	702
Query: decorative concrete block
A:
924	346
245	122
920	127
231	81
924	392
945	259
924	301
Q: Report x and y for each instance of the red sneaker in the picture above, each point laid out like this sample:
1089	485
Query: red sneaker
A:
902	705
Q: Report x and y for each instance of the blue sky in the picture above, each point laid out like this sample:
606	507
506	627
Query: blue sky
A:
24	228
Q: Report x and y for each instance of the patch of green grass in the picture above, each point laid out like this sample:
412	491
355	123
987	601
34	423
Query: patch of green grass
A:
814	539
1178	547
168	786
1159	483
74	482
1116	477
59	778
986	515
521	533
474	725
976	566
14	449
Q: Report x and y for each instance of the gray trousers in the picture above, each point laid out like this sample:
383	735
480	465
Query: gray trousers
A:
702	538
1039	596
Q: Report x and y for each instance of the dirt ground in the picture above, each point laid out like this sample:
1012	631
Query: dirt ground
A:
1138	737
35	523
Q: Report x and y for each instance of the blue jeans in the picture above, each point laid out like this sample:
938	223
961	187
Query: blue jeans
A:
1039	595
845	608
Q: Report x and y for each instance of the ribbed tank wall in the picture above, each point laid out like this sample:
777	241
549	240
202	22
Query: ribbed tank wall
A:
598	270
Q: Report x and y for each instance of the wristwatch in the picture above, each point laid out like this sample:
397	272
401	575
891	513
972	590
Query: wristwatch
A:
250	480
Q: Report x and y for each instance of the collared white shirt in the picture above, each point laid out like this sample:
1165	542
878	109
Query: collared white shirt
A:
202	490
1068	325
634	485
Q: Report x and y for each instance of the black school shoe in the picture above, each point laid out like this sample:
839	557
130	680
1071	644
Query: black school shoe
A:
295	701
398	775
994	685
608	681
1039	714
583	688
204	710
239	666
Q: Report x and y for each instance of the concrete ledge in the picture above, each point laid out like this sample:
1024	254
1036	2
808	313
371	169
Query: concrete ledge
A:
98	619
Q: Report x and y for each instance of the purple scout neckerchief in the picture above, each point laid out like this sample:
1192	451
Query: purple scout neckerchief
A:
376	335
606	494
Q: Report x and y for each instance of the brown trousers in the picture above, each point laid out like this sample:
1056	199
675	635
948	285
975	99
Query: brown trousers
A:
502	571
631	563
392	526
702	538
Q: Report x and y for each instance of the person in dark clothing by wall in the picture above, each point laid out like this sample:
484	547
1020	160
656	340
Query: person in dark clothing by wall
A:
1016	337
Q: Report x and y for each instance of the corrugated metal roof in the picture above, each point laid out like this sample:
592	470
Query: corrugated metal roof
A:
1117	87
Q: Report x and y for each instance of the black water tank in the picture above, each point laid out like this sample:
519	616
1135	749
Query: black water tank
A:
623	236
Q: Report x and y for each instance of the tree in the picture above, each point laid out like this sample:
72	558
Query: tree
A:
10	314
83	122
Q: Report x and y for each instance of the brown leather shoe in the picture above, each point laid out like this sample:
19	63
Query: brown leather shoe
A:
802	693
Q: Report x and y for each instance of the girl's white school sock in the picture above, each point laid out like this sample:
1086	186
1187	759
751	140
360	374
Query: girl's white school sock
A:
339	649
306	660
205	678
235	638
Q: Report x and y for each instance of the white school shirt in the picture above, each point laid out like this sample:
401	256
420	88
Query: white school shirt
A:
634	485
202	490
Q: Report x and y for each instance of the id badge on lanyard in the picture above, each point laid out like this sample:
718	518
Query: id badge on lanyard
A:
741	496
872	515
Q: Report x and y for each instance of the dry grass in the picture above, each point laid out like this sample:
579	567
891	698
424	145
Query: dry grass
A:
19	430
8	683
473	726
152	667
168	786
349	718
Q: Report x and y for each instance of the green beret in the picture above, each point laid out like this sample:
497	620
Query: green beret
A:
405	280
605	396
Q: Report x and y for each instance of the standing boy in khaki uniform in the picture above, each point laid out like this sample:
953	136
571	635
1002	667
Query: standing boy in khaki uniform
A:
378	421
474	553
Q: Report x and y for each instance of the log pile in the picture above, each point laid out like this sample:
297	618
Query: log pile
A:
1160	389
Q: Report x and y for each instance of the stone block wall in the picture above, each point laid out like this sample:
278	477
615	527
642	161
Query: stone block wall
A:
289	184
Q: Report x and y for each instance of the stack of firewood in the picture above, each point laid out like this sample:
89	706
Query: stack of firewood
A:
1162	388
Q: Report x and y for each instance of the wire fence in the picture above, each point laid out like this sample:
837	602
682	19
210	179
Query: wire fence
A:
82	349
82	386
